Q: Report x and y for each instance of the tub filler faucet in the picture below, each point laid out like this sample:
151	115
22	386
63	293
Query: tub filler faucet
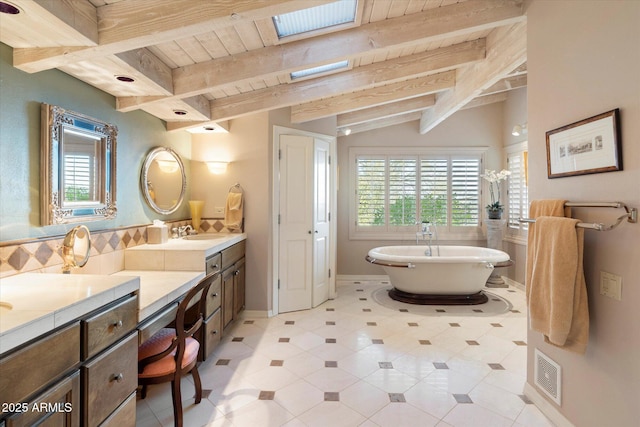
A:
427	230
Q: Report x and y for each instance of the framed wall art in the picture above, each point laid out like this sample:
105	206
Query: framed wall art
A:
591	145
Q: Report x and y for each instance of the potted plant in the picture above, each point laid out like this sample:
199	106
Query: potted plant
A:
494	209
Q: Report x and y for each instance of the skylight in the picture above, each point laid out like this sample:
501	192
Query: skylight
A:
315	18
318	70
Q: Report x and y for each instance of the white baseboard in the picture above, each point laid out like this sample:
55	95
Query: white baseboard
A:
513	283
549	410
361	278
260	314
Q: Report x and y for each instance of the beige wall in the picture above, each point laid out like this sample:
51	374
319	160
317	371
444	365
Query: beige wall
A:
474	127
584	59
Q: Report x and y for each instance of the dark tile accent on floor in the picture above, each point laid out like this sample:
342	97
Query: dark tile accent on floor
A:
495	299
277	363
330	340
412	324
424	342
331	396
266	395
477	310
397	397
331	309
248	322
385	283
362	299
357	283
440	365
330	323
440	310
520	343
377	341
496	325
496	366
403	310
289	322
284	339
454	325
385	365
366	310
525	399
359	290
330	364
472	342
515	311
372	324
223	362
237	339
206	393
462	398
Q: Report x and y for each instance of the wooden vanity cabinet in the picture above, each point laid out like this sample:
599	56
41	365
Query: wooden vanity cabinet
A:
109	373
233	292
84	373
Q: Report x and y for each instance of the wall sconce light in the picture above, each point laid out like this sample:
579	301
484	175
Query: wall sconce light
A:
347	131
519	129
217	168
167	166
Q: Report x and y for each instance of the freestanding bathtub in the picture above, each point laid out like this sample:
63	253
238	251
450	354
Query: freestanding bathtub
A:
455	276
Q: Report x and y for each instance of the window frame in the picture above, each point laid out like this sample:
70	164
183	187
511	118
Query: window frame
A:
409	232
517	234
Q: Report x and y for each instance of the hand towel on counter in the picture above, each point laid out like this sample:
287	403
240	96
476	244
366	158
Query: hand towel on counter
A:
555	285
233	212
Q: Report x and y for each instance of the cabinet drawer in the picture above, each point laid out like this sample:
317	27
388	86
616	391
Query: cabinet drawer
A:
214	296
212	332
109	379
232	254
28	370
156	322
108	326
124	416
59	405
213	263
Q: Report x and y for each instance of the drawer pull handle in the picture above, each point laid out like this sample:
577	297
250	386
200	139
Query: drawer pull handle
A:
117	378
118	324
215	332
214	295
235	273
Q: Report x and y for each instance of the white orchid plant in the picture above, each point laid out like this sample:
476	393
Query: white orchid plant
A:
494	179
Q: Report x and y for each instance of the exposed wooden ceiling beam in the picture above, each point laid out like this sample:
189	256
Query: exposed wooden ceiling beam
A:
506	50
387	110
134	24
486	100
431	25
387	121
508	83
365	77
371	97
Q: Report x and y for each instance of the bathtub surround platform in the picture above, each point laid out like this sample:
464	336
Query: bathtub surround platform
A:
427	299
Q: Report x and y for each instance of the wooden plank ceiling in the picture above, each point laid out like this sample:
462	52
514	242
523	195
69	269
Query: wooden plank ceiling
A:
214	60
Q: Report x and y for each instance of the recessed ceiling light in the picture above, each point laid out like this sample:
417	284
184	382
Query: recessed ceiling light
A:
180	112
125	79
8	8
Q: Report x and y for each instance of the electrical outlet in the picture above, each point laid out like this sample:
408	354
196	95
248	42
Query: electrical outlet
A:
218	210
611	285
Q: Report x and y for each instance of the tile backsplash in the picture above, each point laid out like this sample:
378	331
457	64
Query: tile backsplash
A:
107	250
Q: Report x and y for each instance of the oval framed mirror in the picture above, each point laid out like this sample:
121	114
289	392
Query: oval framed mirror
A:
163	181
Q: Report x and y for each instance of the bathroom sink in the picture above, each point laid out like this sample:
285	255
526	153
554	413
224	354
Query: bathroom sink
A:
206	236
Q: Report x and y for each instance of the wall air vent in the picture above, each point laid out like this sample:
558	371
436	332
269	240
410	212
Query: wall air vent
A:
548	376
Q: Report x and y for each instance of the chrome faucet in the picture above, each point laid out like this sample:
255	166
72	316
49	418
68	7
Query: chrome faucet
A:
427	230
185	230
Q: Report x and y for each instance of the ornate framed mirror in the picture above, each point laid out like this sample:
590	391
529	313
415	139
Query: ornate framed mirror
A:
163	181
78	167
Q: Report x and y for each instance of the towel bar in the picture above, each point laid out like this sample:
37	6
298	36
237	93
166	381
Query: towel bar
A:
631	214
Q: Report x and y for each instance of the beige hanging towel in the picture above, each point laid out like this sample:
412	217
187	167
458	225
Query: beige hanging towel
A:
555	285
233	212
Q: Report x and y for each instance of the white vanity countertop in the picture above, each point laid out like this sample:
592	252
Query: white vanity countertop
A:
208	243
159	288
32	304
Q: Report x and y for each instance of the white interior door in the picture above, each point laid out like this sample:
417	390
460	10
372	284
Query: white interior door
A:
295	264
321	228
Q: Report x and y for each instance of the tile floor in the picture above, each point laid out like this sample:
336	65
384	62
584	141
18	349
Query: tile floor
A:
364	360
